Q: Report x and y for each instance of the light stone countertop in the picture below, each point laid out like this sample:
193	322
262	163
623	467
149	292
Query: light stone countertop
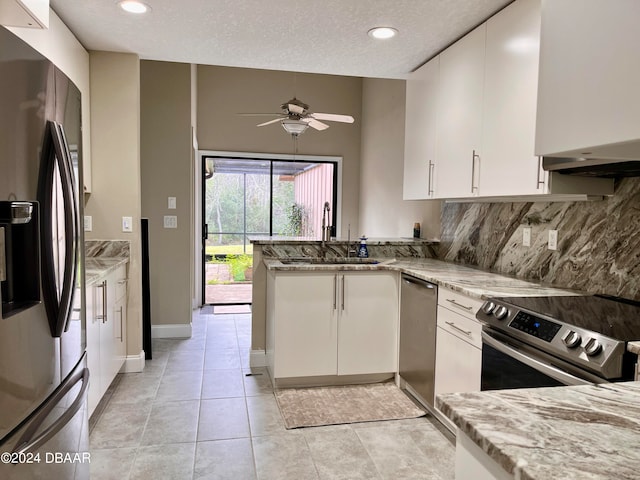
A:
97	268
634	347
582	432
469	281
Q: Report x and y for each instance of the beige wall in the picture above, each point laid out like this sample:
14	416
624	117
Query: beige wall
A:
383	213
115	113
167	171
223	92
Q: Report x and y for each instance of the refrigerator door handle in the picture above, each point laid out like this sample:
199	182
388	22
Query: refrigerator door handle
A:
57	292
27	443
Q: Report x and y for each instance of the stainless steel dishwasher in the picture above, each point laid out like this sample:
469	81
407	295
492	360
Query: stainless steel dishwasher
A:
418	307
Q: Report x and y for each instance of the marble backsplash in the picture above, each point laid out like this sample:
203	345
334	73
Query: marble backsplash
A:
338	249
598	242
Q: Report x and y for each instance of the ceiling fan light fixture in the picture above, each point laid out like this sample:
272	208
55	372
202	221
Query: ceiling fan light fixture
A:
382	33
134	6
294	127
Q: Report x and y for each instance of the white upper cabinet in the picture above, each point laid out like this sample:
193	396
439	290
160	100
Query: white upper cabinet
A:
24	13
420	132
460	116
508	164
589	89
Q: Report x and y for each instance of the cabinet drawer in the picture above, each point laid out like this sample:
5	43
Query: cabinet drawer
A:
458	302
465	328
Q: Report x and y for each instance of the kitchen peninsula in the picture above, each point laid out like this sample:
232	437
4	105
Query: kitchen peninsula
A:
579	432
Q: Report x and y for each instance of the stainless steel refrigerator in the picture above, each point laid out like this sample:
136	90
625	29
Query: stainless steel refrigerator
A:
43	374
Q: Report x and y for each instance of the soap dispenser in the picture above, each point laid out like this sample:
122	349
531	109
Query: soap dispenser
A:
363	252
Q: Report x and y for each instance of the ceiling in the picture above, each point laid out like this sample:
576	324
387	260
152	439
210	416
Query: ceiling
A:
314	36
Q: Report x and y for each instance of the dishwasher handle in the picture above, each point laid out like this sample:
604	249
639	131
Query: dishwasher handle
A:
416	281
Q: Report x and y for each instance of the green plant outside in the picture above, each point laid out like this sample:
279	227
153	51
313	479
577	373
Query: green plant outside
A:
228	249
238	264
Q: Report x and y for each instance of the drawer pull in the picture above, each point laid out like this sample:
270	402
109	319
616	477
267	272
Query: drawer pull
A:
459	305
453	325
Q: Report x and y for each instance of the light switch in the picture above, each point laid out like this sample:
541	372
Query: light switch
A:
553	240
526	236
88	223
170	221
127	224
171	203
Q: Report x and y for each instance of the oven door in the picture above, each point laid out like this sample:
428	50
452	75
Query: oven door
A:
509	363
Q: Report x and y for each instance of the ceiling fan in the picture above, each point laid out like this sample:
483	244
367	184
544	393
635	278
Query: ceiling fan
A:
296	118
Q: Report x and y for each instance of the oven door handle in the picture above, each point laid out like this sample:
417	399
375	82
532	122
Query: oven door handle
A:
543	367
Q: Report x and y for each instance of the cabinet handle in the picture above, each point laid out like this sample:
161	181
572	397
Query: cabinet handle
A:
459	305
335	291
473	170
539	179
453	325
103	317
120	325
430	183
342	299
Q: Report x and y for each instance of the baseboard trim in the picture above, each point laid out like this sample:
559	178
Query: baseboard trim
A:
179	330
134	363
257	358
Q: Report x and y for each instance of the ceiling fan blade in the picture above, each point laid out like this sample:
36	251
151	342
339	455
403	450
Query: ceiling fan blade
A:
269	122
313	123
261	114
333	117
293	108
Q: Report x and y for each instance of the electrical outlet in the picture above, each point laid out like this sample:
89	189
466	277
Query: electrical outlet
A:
553	240
171	203
88	223
170	221
127	224
526	236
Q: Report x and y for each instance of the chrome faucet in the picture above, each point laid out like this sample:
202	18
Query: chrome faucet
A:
326	228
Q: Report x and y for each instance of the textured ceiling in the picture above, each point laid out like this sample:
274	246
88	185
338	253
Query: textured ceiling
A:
316	36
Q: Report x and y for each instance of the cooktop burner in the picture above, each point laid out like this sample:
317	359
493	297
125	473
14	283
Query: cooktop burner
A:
614	317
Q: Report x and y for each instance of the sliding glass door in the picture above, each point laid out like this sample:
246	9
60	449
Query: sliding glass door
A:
250	197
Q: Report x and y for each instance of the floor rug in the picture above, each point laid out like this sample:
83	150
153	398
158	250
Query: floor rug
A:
316	406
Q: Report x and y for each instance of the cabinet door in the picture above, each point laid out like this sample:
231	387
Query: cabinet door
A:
305	321
94	307
120	316
460	116
509	165
368	326
420	132
458	364
109	362
589	77
24	13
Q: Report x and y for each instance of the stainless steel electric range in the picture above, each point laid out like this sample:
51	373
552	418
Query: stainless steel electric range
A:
549	341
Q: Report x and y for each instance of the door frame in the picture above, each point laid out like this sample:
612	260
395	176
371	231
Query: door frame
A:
200	199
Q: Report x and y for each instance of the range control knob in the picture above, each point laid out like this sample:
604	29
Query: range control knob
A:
593	347
488	308
501	312
572	339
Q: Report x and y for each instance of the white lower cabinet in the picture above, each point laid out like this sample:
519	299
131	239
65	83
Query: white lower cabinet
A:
458	344
331	323
106	332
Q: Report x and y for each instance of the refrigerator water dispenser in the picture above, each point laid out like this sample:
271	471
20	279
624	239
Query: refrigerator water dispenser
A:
19	256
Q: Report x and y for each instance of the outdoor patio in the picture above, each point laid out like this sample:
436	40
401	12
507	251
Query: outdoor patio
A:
227	291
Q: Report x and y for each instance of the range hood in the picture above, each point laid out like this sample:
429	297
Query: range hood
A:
592	167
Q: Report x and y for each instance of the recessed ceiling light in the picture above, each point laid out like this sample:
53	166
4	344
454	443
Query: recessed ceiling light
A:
382	32
134	6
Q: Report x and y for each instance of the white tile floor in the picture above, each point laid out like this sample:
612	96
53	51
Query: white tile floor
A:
194	413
